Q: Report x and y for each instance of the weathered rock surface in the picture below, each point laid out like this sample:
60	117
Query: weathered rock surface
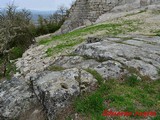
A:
52	90
35	86
15	98
108	69
57	88
141	53
112	57
34	60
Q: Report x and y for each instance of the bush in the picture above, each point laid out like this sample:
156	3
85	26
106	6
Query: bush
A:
15	36
16	52
14	29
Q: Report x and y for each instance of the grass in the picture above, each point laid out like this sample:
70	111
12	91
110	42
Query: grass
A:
158	72
96	75
1	63
63	46
141	11
72	54
16	52
44	41
137	72
132	80
10	69
131	95
156	12
142	97
56	68
126	38
92	105
71	39
155	32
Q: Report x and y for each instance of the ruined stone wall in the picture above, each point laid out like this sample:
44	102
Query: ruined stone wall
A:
84	12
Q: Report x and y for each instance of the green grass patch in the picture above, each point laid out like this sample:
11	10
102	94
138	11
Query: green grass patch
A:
63	46
156	12
126	38
132	80
1	63
44	41
16	52
92	105
72	54
141	11
156	32
130	95
158	72
56	68
96	75
142	97
10	70
69	40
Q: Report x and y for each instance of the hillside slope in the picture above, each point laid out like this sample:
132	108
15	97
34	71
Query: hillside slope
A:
118	59
86	12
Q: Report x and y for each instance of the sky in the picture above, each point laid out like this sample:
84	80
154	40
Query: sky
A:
44	5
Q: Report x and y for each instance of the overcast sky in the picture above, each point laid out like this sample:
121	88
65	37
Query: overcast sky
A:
37	4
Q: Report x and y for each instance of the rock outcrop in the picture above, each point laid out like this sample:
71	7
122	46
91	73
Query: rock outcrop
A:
114	57
38	91
86	12
50	90
15	98
53	90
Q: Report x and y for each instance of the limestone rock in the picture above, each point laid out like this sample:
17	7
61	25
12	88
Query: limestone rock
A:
57	88
138	53
15	98
93	40
52	90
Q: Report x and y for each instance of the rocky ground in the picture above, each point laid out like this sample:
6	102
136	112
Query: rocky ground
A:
110	57
50	82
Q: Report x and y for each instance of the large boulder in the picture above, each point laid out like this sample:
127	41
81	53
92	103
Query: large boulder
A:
15	98
56	89
50	90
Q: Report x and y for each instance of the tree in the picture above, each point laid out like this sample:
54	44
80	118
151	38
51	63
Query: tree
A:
14	31
55	18
62	10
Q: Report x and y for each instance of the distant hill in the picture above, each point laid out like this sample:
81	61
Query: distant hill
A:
36	13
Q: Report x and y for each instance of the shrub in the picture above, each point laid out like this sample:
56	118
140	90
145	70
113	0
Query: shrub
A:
16	52
14	29
15	35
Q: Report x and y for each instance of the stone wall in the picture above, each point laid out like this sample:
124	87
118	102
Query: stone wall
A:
84	12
